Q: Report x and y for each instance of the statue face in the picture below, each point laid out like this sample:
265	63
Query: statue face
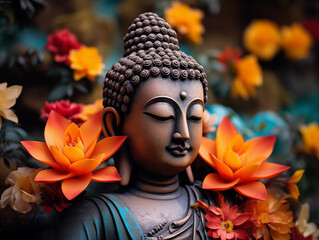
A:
164	126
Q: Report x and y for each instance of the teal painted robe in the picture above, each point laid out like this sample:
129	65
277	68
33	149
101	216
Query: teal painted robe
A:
106	217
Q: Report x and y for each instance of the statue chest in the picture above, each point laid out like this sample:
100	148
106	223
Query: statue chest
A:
156	213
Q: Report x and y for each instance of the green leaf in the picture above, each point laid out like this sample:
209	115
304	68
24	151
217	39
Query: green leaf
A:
58	92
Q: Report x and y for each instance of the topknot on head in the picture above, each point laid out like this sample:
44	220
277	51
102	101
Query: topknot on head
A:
149	31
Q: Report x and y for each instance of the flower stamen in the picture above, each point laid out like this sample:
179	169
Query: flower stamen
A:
227	226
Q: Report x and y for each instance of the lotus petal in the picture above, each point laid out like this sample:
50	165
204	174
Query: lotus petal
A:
52	175
107	174
261	148
108	146
41	152
73	131
269	170
84	166
256	190
214	182
62	160
207	147
224	171
232	160
225	132
246	172
54	130
91	129
74	186
73	153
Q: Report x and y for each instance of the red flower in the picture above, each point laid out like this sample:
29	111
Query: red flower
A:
225	223
53	198
60	43
229	56
312	26
67	109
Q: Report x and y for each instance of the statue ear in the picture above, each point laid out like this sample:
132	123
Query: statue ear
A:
111	121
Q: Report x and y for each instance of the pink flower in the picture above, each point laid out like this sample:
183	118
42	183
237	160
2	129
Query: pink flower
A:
70	111
60	43
227	223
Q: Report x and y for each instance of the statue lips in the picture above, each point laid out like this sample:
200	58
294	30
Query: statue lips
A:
179	150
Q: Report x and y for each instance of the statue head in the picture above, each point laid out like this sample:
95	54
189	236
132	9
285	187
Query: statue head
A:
155	95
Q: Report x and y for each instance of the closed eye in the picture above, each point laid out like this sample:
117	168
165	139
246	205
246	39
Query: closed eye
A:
194	118
160	118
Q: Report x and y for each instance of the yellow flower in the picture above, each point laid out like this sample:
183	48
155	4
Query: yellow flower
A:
310	137
296	41
303	226
248	76
291	183
272	218
86	62
8	97
91	110
186	20
23	191
262	38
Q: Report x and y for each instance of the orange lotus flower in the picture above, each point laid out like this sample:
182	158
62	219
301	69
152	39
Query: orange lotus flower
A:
296	41
73	153
186	20
86	62
272	218
310	138
248	76
239	164
262	38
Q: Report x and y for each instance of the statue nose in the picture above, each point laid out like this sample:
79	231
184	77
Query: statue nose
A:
182	132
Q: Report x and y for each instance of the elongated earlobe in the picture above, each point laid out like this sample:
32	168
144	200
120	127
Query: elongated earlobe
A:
124	167
111	121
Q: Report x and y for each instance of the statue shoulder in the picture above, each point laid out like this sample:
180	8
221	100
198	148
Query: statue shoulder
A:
100	217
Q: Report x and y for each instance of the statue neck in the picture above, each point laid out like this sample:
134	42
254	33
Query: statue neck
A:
149	183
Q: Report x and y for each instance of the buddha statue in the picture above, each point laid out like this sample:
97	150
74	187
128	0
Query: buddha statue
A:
155	96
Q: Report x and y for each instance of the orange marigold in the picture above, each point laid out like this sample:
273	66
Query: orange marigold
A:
262	38
310	138
86	62
186	21
272	218
296	41
90	110
248	76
